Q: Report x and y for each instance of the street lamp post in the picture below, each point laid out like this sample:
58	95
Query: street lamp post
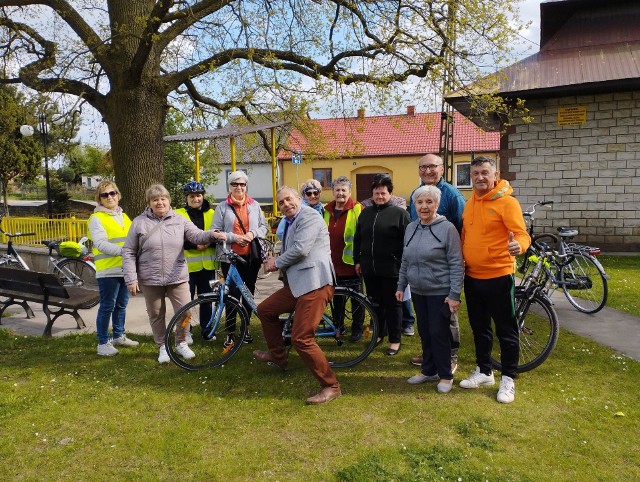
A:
43	127
44	131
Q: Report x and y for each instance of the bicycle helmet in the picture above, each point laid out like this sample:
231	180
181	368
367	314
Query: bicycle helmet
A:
194	188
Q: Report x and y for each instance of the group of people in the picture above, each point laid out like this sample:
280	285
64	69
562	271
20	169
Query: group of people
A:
167	253
423	256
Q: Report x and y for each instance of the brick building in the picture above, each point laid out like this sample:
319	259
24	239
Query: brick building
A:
582	150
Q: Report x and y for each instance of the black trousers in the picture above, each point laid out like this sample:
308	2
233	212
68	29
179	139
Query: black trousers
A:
433	317
382	292
489	299
199	283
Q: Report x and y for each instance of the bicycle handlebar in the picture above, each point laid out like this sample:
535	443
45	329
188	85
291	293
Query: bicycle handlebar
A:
232	256
16	235
545	249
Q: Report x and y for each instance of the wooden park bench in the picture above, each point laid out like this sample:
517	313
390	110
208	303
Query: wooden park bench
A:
18	287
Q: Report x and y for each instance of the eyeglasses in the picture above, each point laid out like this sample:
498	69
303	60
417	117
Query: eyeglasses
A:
312	193
429	167
238	184
105	195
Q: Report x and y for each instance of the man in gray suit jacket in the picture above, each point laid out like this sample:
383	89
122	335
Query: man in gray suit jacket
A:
305	264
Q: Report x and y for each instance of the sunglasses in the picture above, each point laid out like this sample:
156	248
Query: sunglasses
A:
238	184
105	195
312	193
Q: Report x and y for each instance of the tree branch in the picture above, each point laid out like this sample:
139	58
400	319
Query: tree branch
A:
29	74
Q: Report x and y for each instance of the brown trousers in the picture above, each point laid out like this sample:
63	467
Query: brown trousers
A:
309	309
154	297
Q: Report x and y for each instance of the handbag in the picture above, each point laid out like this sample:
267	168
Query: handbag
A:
258	247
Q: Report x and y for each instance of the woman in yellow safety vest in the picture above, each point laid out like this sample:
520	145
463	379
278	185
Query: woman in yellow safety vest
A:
108	227
200	258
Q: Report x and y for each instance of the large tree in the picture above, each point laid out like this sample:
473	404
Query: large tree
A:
19	156
130	59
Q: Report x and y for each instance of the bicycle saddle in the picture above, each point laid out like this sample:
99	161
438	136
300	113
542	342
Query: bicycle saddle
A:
567	232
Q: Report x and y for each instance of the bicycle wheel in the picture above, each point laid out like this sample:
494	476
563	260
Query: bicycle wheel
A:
75	272
211	352
348	330
539	328
584	283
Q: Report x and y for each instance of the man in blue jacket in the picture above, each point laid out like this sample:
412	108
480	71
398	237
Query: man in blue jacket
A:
431	172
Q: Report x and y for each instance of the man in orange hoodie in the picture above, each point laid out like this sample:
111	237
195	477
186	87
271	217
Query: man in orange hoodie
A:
493	233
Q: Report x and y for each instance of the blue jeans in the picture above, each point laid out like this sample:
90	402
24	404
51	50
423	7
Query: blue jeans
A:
114	297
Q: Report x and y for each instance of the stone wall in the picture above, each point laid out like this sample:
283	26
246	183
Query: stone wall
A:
590	171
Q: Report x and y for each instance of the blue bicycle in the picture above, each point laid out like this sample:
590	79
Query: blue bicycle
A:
347	332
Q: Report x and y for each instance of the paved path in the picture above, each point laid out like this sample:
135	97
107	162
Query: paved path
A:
608	327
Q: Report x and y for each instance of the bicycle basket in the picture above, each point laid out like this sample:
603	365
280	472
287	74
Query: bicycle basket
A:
70	249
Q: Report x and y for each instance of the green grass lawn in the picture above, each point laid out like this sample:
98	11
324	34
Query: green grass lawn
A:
66	413
624	282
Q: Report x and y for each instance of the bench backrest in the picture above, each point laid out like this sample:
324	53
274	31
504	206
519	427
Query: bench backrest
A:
32	282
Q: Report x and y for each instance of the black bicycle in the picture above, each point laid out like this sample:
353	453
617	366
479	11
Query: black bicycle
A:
582	279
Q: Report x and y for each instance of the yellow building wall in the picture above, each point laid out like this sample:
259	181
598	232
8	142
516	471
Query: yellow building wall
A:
403	171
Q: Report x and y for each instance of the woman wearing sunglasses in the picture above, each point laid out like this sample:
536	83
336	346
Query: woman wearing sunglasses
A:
238	221
108	227
310	191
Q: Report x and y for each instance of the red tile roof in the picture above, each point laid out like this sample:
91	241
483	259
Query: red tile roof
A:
392	135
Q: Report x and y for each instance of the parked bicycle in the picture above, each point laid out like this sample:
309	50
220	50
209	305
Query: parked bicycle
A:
71	270
583	279
347	308
536	316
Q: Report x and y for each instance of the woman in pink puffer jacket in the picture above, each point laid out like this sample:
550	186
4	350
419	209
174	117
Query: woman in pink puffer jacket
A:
153	262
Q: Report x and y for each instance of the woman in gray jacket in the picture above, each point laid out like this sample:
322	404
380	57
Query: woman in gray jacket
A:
153	261
239	220
432	265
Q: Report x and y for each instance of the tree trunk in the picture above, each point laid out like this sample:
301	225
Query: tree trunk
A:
136	124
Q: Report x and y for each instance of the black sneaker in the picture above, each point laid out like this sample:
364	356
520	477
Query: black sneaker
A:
229	341
247	338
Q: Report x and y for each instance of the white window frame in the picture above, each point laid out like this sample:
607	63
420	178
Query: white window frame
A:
463	186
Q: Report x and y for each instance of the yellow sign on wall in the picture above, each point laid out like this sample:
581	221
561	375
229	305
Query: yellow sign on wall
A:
572	116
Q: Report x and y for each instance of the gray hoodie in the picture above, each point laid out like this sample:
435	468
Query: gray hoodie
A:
161	261
432	259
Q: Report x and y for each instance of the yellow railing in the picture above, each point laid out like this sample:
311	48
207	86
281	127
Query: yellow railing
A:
71	229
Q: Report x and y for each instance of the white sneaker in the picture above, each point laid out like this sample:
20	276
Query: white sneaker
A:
107	349
445	386
507	391
124	341
189	339
422	378
478	379
184	351
163	356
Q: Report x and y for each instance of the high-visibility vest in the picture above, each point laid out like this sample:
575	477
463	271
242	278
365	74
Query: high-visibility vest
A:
199	260
116	234
349	231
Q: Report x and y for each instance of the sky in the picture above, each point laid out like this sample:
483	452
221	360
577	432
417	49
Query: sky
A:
94	132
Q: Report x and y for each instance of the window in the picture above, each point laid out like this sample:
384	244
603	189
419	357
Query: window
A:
463	174
323	176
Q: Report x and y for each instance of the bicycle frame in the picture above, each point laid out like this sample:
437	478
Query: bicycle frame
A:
12	253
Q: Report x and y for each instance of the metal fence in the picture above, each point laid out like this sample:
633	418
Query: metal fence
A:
71	229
